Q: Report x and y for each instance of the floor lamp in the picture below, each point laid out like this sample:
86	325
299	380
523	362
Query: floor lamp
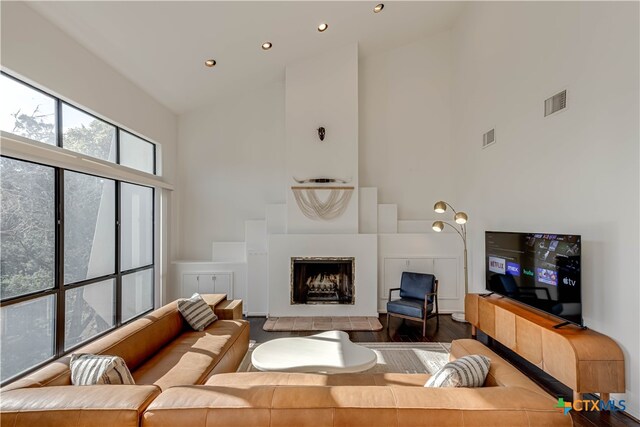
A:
460	219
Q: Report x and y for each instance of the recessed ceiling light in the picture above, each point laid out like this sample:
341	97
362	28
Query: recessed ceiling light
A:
378	8
266	45
210	63
323	27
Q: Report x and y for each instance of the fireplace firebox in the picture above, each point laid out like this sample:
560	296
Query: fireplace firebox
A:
323	280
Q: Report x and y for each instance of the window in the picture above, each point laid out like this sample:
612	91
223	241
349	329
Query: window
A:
136	152
28	331
89	311
34	114
90	227
88	135
137	226
27	249
76	250
27	112
137	293
28	221
136	249
103	276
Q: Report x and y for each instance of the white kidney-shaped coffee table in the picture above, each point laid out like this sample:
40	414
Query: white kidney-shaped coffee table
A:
329	352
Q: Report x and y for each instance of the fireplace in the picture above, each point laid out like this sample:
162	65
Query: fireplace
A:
322	280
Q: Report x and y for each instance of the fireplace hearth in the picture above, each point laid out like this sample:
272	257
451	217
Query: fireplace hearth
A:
322	280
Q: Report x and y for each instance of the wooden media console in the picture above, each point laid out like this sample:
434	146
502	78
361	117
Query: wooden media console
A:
584	360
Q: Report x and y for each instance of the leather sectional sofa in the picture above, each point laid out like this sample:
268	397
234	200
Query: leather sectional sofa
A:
160	350
187	378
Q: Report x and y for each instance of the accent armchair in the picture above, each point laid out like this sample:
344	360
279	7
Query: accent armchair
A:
418	299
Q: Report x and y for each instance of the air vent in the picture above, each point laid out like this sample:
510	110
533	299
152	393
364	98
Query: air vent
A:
556	103
488	138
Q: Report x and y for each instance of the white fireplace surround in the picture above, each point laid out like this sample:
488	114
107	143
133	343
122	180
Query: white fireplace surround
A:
363	247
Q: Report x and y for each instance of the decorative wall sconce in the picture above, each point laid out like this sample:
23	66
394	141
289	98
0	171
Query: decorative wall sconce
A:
321	132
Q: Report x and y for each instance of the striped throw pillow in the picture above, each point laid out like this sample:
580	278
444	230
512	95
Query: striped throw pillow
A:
467	371
196	312
91	369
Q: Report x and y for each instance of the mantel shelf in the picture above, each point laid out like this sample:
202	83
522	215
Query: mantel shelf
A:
321	187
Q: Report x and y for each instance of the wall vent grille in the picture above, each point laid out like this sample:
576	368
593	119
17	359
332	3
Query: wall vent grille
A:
488	138
556	103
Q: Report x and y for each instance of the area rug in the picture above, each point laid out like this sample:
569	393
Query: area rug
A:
285	324
409	358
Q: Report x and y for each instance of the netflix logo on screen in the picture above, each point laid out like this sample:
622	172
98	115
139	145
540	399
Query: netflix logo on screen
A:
497	265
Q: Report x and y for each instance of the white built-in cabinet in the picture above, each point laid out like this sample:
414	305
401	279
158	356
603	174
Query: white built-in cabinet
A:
217	277
445	269
207	283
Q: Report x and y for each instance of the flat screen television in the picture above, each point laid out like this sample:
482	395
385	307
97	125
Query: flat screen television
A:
539	270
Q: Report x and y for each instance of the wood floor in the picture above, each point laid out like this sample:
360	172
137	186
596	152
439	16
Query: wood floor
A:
448	331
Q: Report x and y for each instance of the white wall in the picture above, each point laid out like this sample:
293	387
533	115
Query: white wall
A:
574	172
323	91
40	53
231	164
405	125
396	146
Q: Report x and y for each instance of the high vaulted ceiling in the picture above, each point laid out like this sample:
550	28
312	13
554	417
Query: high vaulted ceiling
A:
162	46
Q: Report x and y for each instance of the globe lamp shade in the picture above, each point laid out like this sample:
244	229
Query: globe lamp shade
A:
438	226
461	218
440	207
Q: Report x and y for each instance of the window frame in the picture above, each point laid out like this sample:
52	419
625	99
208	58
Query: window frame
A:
59	289
59	131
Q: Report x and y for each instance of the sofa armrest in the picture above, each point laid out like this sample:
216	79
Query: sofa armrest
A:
213	300
229	310
96	405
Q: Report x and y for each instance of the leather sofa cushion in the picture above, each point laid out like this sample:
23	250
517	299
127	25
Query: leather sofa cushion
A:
408	307
140	339
501	372
300	379
189	358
